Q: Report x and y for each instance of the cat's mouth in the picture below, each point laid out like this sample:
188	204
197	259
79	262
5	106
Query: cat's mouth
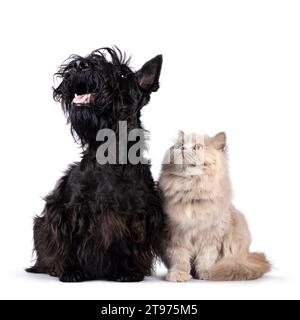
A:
203	167
196	164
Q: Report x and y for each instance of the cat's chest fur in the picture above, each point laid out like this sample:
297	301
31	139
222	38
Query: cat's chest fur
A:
191	207
200	215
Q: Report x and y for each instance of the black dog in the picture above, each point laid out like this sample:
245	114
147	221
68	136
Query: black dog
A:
101	221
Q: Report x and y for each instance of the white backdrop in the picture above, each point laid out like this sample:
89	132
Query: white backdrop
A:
228	65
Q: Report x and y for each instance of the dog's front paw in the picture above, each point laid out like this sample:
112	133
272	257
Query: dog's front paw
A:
53	273
133	277
178	276
71	276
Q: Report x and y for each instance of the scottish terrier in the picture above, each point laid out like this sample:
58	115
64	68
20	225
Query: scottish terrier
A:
102	221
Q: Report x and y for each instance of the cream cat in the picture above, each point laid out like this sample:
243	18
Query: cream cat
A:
206	236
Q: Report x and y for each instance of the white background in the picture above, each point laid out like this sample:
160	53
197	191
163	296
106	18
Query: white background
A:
228	65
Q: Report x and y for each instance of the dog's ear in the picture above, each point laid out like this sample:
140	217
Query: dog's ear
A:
148	75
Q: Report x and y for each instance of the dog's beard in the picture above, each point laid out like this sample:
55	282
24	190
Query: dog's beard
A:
84	123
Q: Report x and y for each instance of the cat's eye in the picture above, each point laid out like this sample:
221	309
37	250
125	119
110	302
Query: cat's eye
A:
198	147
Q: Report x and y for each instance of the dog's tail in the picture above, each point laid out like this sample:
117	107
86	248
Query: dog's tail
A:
251	267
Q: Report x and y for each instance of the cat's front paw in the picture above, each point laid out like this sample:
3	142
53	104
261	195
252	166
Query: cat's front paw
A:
178	276
203	275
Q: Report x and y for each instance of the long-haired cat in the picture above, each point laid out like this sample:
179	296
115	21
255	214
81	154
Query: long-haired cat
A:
206	236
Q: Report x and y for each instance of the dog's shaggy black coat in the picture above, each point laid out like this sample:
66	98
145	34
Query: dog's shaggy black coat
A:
101	221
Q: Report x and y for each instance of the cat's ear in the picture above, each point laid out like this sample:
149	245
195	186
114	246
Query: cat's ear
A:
220	141
148	75
181	136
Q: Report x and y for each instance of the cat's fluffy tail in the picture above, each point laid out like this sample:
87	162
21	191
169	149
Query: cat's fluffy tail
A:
250	267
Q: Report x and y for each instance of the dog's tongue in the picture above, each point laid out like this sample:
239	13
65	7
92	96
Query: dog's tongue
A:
82	98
